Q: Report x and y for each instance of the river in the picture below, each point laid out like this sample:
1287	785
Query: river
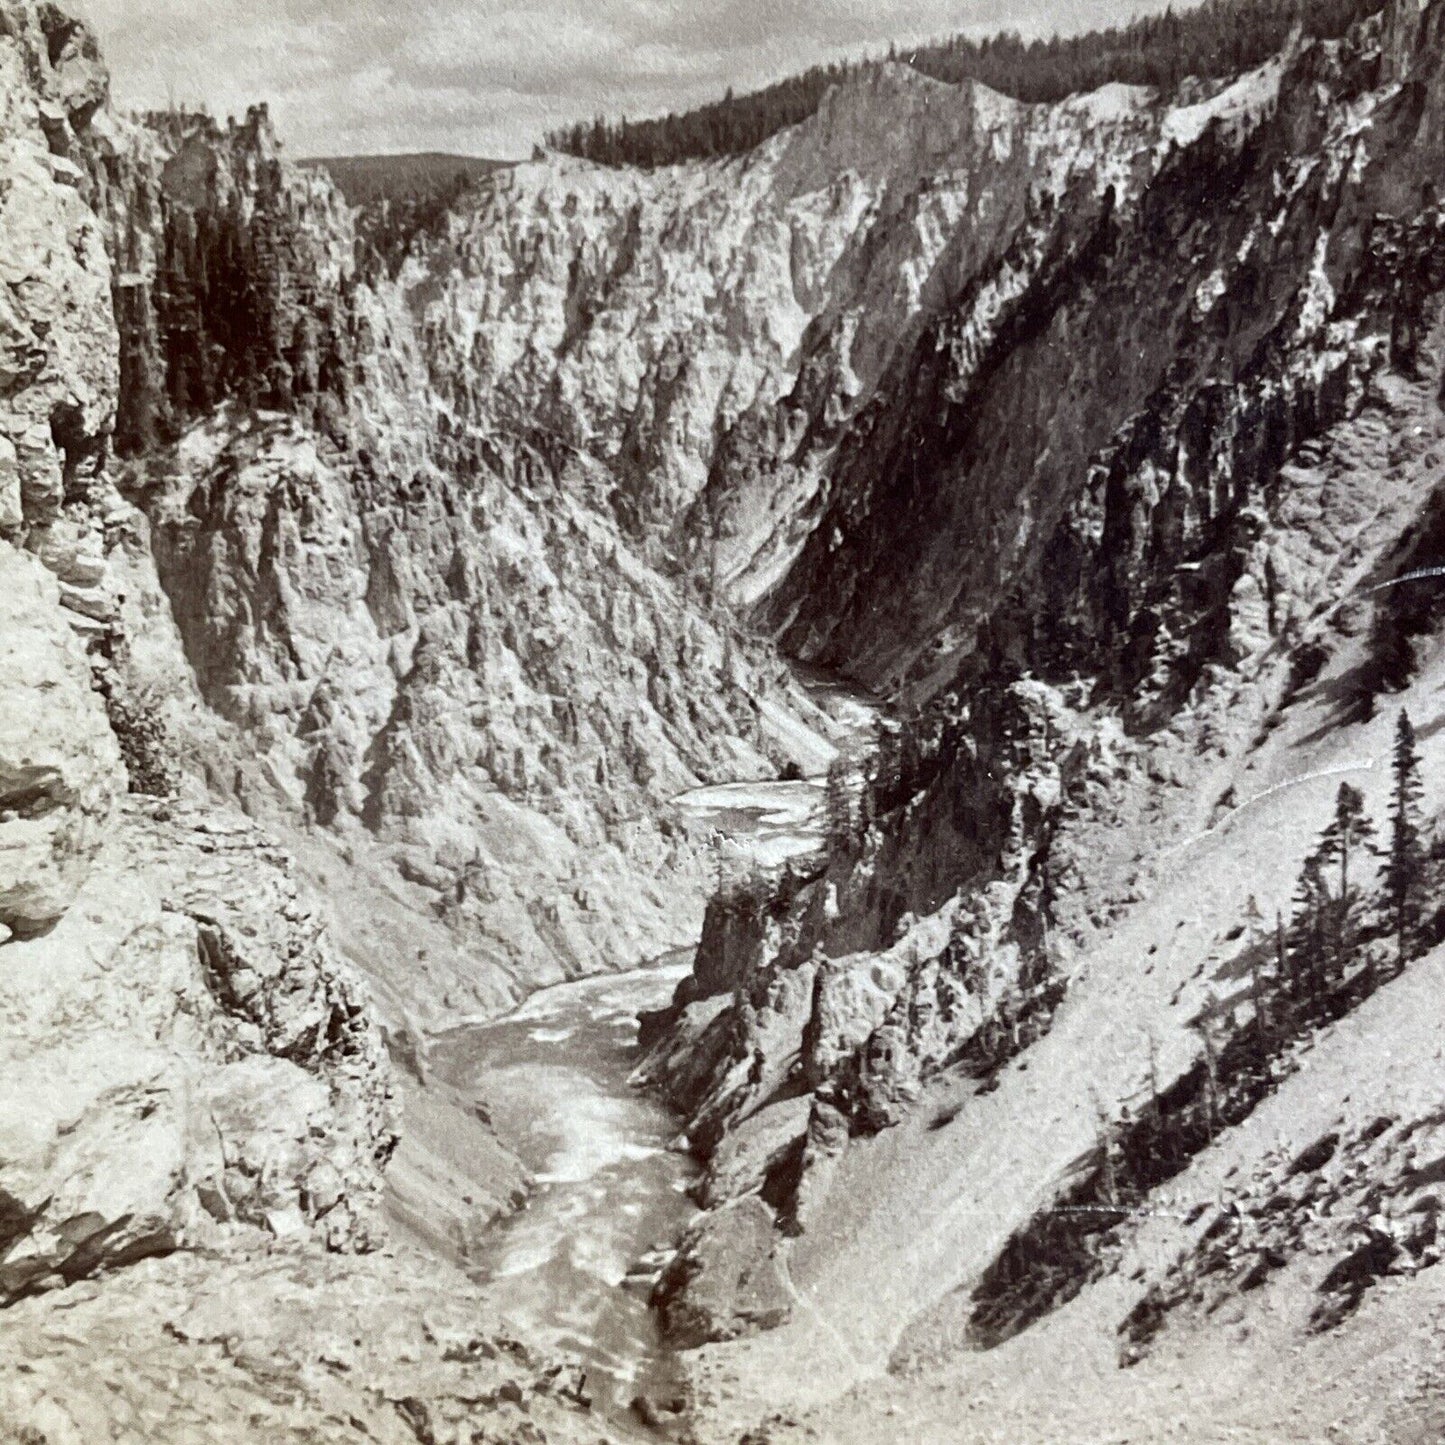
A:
609	1183
573	1269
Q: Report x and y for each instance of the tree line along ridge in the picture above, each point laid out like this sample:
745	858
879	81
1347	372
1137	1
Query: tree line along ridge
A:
1217	39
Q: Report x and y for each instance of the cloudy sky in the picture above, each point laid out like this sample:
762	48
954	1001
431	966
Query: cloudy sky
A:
488	77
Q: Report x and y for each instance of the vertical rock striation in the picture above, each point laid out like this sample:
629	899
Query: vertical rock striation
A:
187	1061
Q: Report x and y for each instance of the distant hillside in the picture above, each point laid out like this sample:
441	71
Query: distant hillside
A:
1216	39
401	196
365	180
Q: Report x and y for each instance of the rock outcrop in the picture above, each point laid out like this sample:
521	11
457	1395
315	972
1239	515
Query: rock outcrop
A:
187	1057
60	766
189	1061
198	1096
288	1344
710	332
58	358
60	769
413	611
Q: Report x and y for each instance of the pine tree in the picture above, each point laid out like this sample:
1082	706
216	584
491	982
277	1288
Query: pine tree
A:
1405	864
885	776
1216	38
1212	1095
1307	945
1348	838
1281	950
1255	947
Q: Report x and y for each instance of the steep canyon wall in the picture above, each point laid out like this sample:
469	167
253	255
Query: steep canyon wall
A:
1078	431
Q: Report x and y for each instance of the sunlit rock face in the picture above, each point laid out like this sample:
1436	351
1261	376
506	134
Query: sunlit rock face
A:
710	330
412	608
449	551
60	771
60	767
58	368
193	1065
187	1059
198	1106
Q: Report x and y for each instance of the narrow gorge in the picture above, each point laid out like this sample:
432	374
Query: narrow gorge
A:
676	803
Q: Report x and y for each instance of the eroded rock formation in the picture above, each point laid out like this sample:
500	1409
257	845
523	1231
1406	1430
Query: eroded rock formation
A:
195	1080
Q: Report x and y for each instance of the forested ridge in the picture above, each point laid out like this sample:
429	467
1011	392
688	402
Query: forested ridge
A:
1216	39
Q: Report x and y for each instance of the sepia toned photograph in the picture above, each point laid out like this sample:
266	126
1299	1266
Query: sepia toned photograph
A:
722	724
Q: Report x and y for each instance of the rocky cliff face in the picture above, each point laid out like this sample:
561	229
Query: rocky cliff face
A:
198	1095
1078	430
413	617
1106	545
190	1064
448	550
710	332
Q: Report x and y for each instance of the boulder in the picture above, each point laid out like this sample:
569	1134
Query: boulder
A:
727	1281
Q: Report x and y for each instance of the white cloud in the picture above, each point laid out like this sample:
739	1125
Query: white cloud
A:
488	77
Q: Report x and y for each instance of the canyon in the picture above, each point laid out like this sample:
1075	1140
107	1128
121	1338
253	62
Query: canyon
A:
893	608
